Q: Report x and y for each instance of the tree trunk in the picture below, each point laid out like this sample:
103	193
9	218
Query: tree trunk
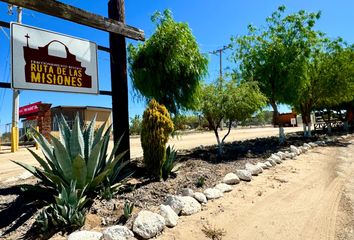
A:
276	121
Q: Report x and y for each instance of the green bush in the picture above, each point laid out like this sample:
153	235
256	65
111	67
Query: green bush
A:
156	129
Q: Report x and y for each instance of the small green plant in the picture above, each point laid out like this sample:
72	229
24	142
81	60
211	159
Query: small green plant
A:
128	209
213	232
67	212
200	182
169	163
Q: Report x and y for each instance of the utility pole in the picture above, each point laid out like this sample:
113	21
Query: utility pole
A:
119	81
219	52
15	104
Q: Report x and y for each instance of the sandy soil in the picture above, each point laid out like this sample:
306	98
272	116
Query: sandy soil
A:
10	171
308	198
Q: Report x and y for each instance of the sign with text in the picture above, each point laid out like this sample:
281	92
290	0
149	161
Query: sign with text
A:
44	60
29	109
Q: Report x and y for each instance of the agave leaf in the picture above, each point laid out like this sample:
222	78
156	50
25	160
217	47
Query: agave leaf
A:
99	134
103	155
76	139
89	136
63	158
115	161
46	148
40	160
56	180
79	171
64	131
99	178
93	161
34	170
117	172
116	145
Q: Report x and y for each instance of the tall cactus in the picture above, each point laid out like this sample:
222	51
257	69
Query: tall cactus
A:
156	129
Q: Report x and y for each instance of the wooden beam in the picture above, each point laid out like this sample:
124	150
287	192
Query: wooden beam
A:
5	85
77	15
4	24
99	47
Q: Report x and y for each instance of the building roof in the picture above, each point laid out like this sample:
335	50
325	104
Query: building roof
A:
83	107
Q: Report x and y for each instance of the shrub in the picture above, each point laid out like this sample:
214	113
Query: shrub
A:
169	163
156	129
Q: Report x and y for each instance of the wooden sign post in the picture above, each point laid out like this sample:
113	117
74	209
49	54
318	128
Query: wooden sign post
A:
119	81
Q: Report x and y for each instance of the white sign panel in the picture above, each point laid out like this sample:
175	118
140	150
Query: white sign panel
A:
44	60
293	121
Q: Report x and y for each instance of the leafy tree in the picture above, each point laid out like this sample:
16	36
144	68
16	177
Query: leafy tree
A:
231	102
169	65
135	125
275	55
329	79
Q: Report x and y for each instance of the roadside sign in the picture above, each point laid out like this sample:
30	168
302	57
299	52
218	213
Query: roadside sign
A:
49	61
293	121
29	109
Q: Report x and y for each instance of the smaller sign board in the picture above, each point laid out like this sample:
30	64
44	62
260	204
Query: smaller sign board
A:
44	60
293	121
29	109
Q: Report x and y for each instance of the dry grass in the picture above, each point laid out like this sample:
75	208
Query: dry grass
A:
213	232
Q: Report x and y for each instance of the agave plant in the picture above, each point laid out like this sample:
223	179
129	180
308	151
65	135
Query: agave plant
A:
169	163
79	155
67	211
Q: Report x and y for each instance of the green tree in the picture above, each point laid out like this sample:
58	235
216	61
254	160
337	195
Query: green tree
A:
135	125
169	65
231	102
275	55
328	81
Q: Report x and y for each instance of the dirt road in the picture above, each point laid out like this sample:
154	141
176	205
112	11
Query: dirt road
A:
310	198
9	171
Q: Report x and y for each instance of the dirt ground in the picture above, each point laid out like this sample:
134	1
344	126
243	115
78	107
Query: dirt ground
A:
308	198
10	171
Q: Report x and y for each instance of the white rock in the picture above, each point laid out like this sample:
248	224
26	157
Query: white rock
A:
117	232
212	193
231	178
281	155
276	158
244	175
175	203
269	165
262	165
271	161
295	150
171	218
254	170
148	224
312	144
190	206
200	197
223	187
187	192
87	235
307	145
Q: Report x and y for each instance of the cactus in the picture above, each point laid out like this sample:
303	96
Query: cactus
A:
156	129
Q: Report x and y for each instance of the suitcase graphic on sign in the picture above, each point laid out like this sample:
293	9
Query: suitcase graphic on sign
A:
64	71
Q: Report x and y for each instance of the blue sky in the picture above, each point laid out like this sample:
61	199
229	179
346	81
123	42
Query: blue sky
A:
212	23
